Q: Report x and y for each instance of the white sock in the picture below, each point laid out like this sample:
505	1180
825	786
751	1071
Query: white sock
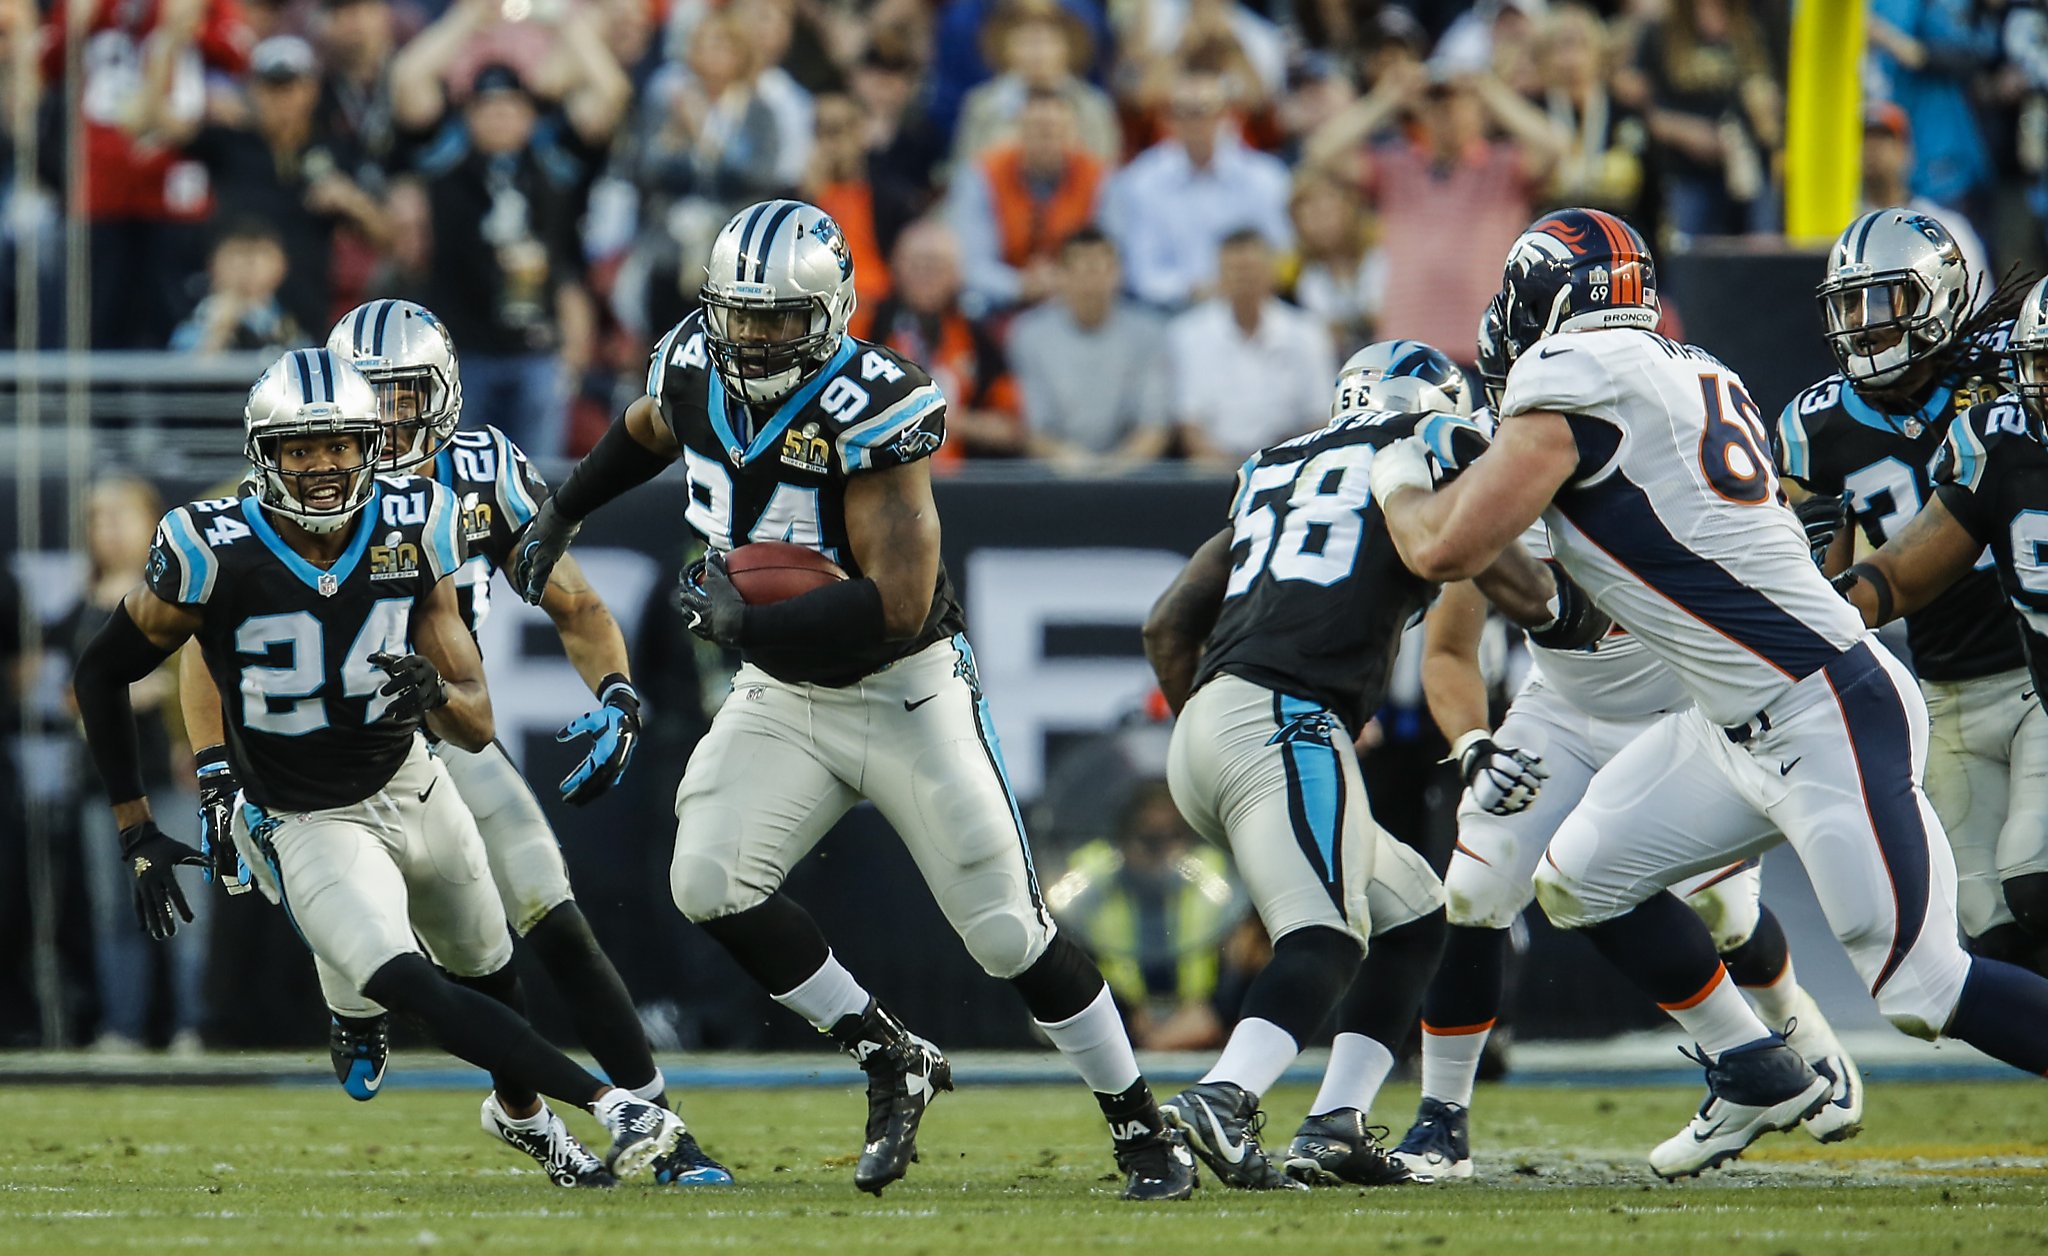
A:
1450	1063
527	1124
651	1090
1257	1053
609	1102
1776	1003
827	996
1097	1045
1358	1068
1717	1017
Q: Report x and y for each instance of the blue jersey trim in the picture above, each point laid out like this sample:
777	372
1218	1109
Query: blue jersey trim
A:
659	362
1868	415
861	444
785	414
308	574
985	729
196	559
445	532
1795	454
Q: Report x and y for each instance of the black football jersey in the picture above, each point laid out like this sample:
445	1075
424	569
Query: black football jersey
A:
1831	441
1992	475
781	476
497	492
1318	597
289	644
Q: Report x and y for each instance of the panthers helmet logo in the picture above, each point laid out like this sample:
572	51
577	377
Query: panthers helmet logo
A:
829	234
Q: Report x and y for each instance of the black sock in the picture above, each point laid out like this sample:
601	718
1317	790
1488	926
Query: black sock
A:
2003	1012
1471	981
2027	896
775	940
481	1030
1060	984
1661	946
603	1012
503	985
1388	988
1133	1115
1761	959
1308	973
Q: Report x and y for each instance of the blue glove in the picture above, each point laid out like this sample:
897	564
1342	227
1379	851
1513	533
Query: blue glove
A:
614	730
216	816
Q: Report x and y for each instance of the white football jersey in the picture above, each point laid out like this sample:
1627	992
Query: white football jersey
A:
1617	679
1673	522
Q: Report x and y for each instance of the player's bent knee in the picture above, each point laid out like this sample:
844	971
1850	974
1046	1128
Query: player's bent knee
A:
1560	898
705	888
1730	915
1914	1024
1479	897
1005	943
2027	896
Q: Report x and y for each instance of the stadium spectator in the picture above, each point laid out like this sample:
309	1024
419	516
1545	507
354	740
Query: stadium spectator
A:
1248	369
768	27
1015	206
145	200
1928	55
1171	207
1887	167
1335	273
838	183
1703	77
923	321
1179	31
242	310
506	177
120	518
1493	36
1091	366
904	143
1042	48
1607	161
1450	200
357	40
279	168
955	47
1155	906
705	132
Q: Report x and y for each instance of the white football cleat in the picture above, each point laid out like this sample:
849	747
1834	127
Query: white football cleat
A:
1751	1091
1809	1033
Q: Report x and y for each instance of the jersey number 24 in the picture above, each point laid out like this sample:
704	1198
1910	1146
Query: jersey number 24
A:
298	683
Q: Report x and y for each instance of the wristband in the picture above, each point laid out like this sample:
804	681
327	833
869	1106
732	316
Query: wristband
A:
1465	742
1880	587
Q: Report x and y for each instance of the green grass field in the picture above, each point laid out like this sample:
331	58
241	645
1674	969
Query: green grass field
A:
1941	1168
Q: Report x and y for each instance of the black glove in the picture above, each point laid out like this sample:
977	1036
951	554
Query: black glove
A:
541	546
415	688
614	730
1502	780
216	819
711	606
1823	518
152	859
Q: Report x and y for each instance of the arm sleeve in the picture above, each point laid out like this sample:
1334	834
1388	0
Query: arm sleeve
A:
181	568
116	657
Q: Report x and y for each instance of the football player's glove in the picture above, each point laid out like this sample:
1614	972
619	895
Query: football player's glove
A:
1502	780
614	732
541	546
1405	464
711	605
216	816
1823	518
415	687
153	858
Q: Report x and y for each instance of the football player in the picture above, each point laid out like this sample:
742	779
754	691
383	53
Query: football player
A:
1896	302
789	429
1648	461
1574	712
1273	646
409	358
325	601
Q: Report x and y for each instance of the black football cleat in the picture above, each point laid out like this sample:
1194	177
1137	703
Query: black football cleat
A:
1222	1122
1157	1165
359	1049
688	1165
905	1073
642	1133
560	1154
1339	1149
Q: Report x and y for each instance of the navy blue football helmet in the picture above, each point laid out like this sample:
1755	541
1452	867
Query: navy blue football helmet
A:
1573	270
1494	357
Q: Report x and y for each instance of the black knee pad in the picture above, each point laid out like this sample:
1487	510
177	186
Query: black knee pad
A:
1310	970
775	940
1060	984
2007	943
1762	957
2028	897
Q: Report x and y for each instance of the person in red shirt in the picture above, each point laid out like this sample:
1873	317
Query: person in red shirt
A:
144	72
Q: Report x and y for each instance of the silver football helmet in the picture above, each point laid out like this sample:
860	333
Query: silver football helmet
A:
2028	348
1404	376
409	358
313	392
778	291
1896	293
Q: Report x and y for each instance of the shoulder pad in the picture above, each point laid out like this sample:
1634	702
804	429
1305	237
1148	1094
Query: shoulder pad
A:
183	564
1561	373
1974	439
884	410
682	351
1805	414
414	502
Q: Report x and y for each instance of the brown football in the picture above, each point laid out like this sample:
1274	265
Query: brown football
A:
775	571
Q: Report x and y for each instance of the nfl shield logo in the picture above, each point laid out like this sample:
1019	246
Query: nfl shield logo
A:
1913	429
329	586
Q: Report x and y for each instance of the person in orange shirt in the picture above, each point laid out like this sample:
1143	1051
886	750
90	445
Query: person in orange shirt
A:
837	182
923	321
1014	208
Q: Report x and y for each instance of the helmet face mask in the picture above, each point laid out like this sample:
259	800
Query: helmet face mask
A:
1495	355
1894	297
761	349
777	293
314	437
2027	369
409	358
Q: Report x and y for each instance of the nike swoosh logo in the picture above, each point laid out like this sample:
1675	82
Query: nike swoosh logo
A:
373	1082
1551	353
1700	1136
1232	1152
908	705
429	789
2028	696
1785	769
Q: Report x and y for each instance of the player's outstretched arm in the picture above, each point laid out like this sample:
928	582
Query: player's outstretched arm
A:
1183	617
1931	553
463	716
1452	683
1456	532
634	451
206	731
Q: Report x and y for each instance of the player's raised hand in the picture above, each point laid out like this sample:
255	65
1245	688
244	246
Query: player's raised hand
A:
710	604
1822	517
614	730
153	857
1503	780
415	687
541	546
216	816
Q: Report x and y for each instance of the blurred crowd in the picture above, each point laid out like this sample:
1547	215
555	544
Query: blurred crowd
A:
1116	230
